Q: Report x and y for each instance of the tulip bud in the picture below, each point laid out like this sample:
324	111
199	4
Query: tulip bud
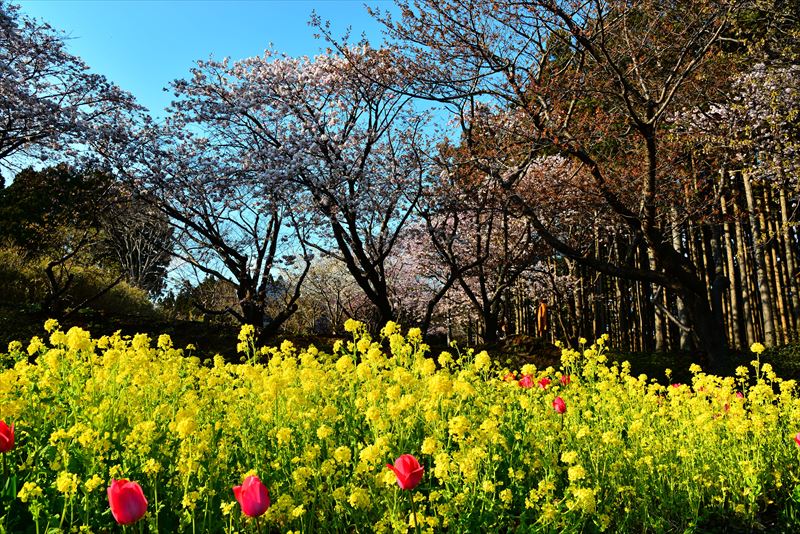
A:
408	471
797	439
6	437
127	501
565	379
252	496
559	405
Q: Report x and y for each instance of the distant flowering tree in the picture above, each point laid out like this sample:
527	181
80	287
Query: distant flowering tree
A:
231	223
347	148
754	126
477	232
329	297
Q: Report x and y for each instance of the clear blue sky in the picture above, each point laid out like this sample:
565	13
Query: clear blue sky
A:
143	45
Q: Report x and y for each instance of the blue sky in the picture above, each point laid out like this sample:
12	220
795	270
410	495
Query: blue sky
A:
142	45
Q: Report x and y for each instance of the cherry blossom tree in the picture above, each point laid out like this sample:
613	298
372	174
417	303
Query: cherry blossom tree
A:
50	103
481	236
330	296
349	146
231	223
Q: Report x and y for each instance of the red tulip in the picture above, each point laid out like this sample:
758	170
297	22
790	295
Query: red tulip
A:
559	405
509	377
526	382
797	439
544	382
127	501
565	379
253	496
6	437
408	471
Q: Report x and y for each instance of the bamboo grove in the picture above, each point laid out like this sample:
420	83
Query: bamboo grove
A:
755	245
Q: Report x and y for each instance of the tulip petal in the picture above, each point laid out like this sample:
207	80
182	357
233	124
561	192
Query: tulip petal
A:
408	471
253	496
127	501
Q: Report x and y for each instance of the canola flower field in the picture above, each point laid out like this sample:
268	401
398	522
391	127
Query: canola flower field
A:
99	432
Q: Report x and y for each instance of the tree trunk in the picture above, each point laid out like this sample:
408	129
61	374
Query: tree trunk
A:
709	327
734	293
744	277
772	267
490	326
760	265
790	263
658	319
685	339
623	309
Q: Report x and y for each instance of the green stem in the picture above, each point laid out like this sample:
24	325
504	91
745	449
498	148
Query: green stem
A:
155	498
258	526
414	511
63	515
5	466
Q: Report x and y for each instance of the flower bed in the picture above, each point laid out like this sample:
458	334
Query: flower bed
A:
583	447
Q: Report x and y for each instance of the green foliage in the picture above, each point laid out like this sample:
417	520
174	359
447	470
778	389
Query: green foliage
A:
46	211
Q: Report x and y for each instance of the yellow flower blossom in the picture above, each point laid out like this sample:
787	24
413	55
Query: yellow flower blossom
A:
67	483
30	491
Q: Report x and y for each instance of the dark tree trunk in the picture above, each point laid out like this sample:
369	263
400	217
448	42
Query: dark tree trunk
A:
709	326
490	327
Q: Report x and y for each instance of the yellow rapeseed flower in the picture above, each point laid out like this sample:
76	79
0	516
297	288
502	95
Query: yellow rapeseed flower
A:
359	499
93	483
352	326
30	491
67	483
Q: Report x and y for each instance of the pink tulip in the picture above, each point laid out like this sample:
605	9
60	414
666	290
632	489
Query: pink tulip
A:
526	382
408	471
565	379
252	496
6	437
739	394
559	405
797	439
127	501
544	382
